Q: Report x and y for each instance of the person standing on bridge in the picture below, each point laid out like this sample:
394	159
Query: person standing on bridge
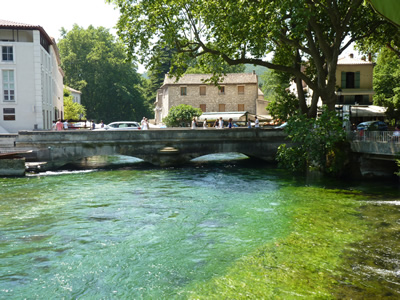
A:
59	125
65	125
221	123
205	123
256	123
230	124
194	123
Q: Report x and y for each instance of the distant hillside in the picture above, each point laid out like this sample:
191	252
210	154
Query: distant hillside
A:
259	71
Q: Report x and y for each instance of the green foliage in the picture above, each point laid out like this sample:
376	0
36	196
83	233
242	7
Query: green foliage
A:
247	32
316	143
158	67
96	64
387	83
72	110
282	104
206	64
181	115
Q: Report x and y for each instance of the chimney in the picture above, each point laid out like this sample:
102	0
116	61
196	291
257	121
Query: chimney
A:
254	72
369	57
351	55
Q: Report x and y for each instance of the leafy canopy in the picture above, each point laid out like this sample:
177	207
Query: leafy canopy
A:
181	115
298	33
316	143
96	64
387	83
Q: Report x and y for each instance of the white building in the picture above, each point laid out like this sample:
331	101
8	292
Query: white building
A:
76	95
31	94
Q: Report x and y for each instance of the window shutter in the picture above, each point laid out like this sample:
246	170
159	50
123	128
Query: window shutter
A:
343	80
357	80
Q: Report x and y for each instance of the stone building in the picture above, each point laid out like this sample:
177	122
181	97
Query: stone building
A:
236	92
31	94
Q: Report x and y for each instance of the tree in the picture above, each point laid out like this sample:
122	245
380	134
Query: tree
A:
72	110
159	65
181	115
282	103
387	83
317	143
97	65
302	34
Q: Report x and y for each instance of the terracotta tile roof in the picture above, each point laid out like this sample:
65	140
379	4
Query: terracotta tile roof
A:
230	78
16	25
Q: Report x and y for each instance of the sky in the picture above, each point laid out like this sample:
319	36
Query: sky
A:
52	15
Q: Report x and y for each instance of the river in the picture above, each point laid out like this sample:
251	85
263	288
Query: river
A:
220	230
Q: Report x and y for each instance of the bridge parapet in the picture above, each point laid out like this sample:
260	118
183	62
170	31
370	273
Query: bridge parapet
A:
379	143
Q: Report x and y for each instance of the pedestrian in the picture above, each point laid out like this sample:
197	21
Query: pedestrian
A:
230	123
194	123
396	134
205	123
257	123
216	123
53	126
145	124
221	123
101	124
65	125
248	123
93	125
59	125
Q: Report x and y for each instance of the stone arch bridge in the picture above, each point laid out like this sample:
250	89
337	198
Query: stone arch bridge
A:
161	147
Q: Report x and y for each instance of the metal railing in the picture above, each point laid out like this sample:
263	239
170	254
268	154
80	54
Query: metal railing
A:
375	136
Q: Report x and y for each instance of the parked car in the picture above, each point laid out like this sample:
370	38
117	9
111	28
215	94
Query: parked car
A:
373	126
121	125
282	126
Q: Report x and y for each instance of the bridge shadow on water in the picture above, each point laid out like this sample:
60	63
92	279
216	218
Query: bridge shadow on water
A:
113	162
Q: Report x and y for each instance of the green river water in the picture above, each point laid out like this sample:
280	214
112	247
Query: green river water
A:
217	231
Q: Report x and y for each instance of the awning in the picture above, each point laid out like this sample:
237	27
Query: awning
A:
212	116
368	111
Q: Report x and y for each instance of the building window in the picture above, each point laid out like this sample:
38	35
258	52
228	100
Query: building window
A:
7	53
202	91
203	107
221	90
8	85
241	89
183	90
240	107
350	80
9	114
221	107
